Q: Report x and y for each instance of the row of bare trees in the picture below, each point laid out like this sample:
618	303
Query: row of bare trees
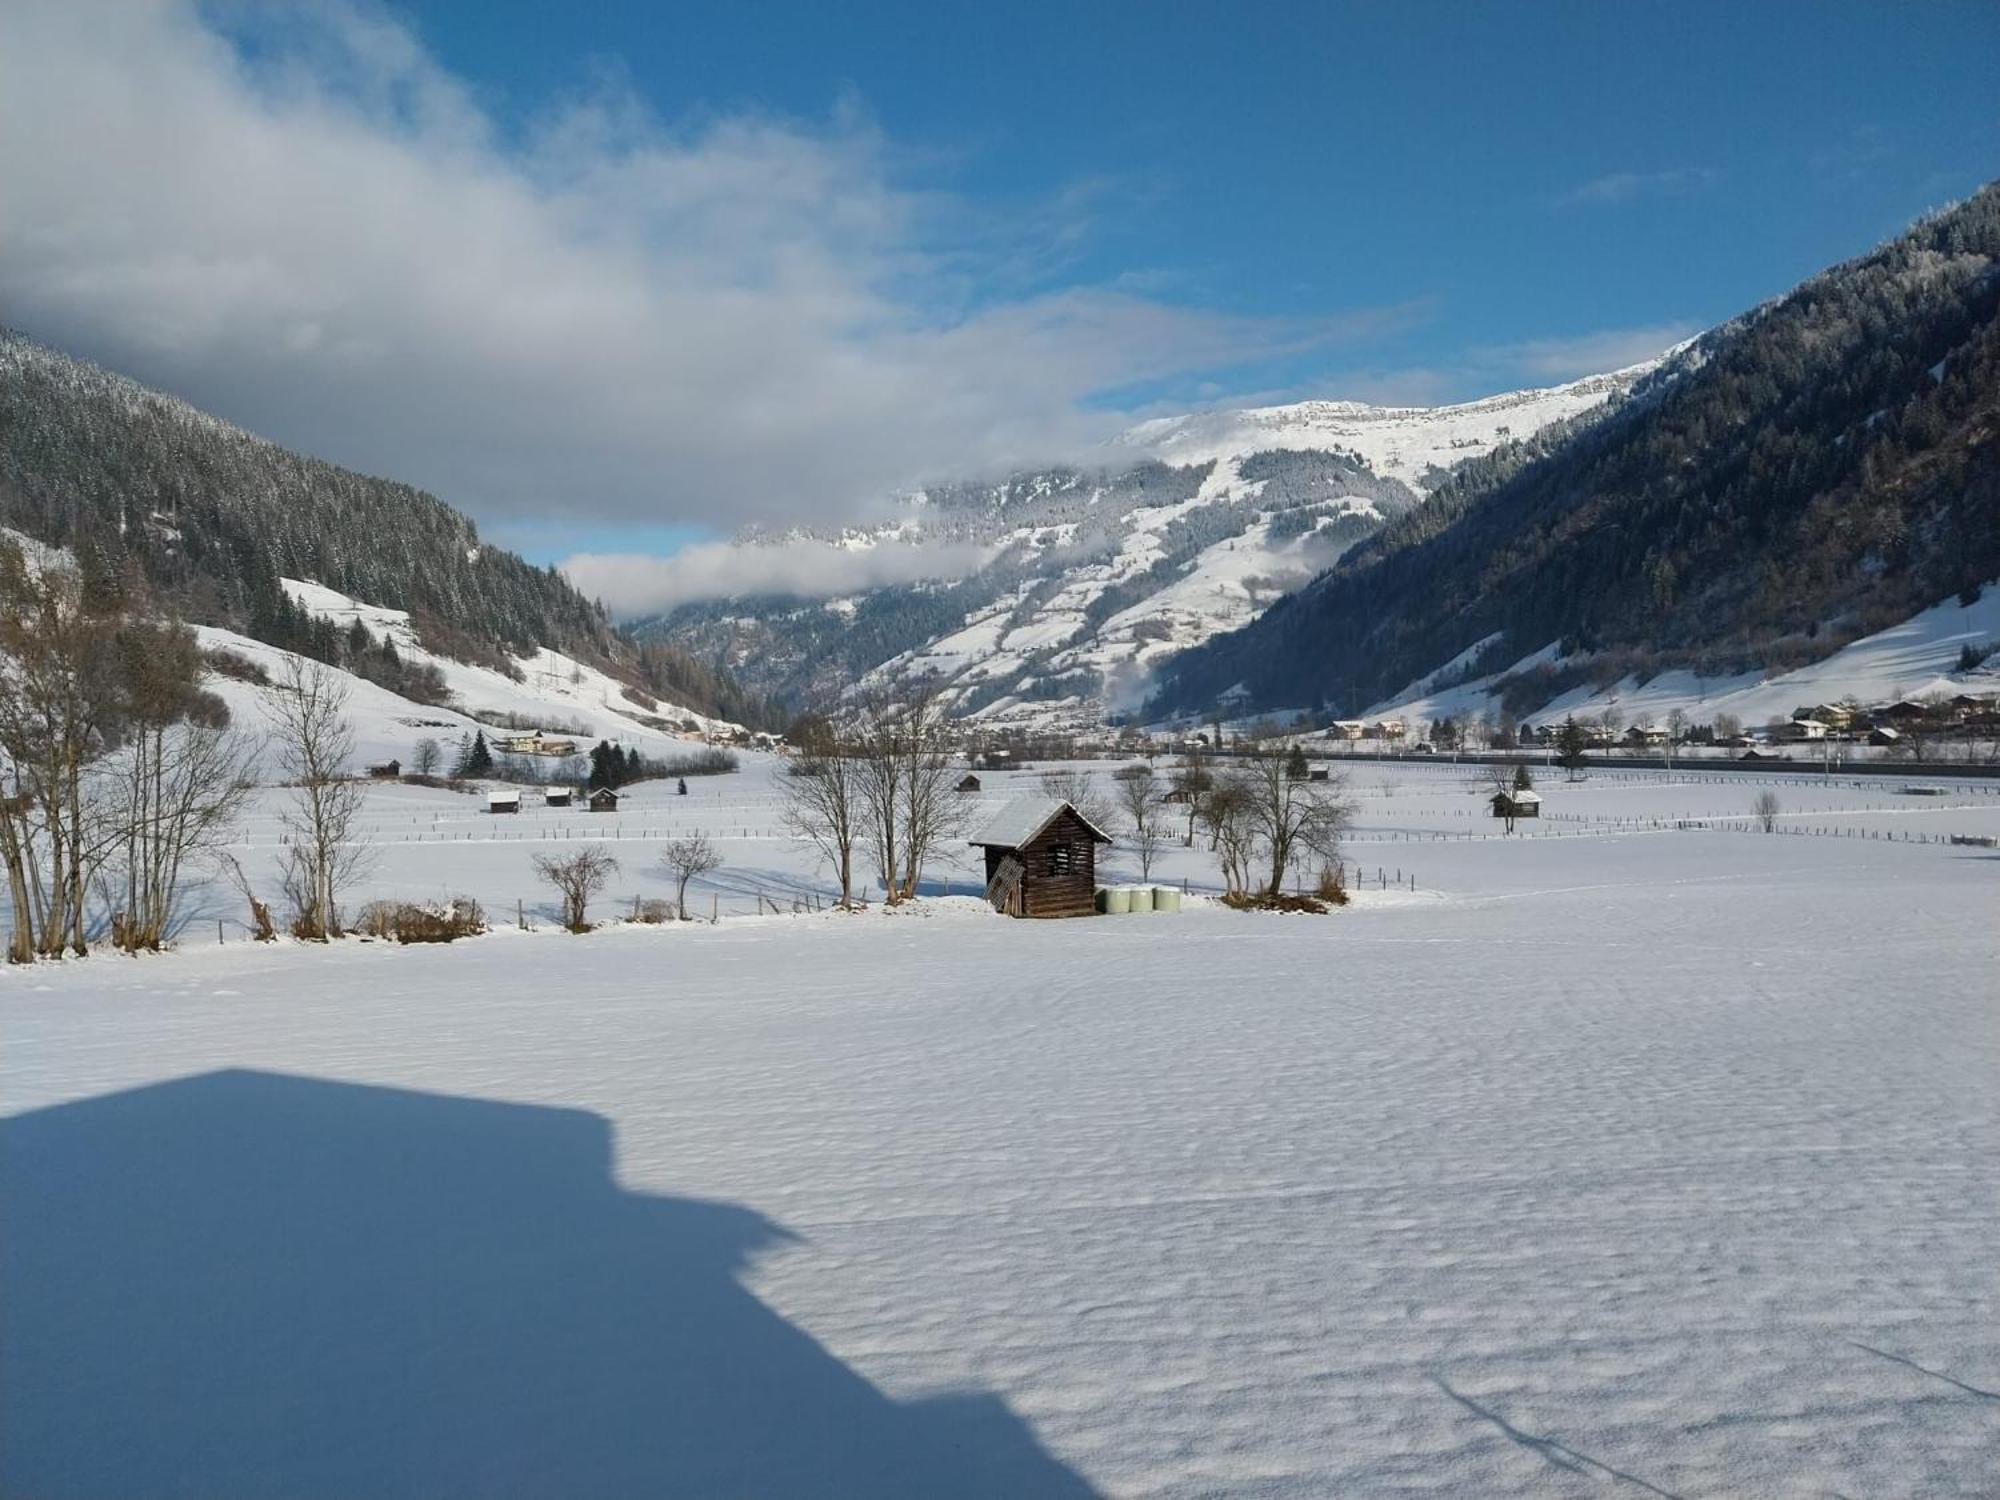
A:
877	785
120	774
116	769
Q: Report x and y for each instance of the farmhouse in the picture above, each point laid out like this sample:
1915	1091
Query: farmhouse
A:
1798	731
503	802
603	799
1041	859
535	743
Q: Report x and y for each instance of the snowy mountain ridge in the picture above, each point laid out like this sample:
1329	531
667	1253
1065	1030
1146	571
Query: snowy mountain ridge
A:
1085	580
1409	443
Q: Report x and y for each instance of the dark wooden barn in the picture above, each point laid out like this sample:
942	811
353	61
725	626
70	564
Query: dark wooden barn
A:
1041	859
603	799
968	784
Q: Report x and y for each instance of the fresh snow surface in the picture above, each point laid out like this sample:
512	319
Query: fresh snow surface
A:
1615	1158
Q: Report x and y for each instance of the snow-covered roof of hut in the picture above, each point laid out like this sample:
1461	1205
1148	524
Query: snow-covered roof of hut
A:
1525	798
1022	820
503	799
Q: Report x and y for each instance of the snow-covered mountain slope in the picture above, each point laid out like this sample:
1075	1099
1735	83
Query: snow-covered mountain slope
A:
1413	444
554	692
1912	660
1194	527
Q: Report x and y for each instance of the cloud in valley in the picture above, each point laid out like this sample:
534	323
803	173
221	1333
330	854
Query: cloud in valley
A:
632	584
598	315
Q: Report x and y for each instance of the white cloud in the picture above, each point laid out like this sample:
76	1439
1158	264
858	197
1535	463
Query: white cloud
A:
601	317
634	584
1594	353
1623	187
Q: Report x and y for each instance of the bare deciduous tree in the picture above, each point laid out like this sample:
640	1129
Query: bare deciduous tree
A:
1191	783
1765	808
313	743
908	805
424	759
689	858
577	878
1226	812
1292	817
823	803
1080	789
1144	817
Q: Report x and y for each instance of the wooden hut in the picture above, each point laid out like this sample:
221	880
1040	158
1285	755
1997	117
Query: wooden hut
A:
603	799
1041	859
389	770
1516	804
557	796
968	784
503	802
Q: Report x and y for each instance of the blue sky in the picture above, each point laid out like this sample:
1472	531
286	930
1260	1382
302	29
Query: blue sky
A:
612	277
1510	175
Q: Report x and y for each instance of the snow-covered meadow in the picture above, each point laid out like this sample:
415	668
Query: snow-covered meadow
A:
1618	1156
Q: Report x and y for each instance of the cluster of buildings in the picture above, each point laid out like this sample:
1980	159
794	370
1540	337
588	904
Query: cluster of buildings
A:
1891	723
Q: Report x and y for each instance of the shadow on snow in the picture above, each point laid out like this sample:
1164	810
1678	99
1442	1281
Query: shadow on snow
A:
249	1285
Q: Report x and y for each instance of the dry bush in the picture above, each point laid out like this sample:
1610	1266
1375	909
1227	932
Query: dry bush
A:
1332	888
422	921
1268	901
652	912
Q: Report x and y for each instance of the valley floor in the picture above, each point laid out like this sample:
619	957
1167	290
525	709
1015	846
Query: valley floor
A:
1631	1160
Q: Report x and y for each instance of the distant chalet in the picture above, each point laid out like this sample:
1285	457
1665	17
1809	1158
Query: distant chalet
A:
1041	859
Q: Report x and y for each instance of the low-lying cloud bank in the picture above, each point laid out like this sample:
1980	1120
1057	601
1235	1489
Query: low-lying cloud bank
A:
633	585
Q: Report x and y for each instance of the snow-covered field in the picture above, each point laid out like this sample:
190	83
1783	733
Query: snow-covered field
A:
1618	1158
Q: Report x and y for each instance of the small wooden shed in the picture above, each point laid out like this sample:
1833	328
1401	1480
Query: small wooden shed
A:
503	802
1517	804
389	770
1041	859
603	799
968	784
557	796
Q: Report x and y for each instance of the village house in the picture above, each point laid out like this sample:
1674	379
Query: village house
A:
1798	732
1041	859
1345	729
534	743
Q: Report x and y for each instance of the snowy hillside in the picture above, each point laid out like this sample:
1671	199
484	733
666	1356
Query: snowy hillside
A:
554	692
1412	444
1911	660
1088	580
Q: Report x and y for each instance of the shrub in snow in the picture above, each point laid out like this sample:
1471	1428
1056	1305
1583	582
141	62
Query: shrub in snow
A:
422	921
